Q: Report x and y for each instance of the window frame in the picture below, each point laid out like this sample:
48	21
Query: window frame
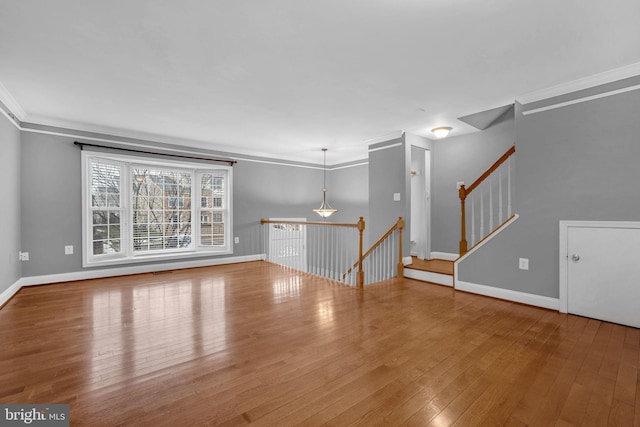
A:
127	254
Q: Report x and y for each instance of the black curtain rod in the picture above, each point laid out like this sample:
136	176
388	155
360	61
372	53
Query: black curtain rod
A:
209	159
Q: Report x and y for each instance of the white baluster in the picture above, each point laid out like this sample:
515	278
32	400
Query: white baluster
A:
481	213
500	195
385	260
490	204
473	219
313	247
337	246
509	210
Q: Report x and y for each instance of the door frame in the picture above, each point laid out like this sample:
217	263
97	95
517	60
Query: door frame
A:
564	251
427	161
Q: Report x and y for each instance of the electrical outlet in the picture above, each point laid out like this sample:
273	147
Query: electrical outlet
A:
68	250
523	264
236	240
396	197
459	184
24	256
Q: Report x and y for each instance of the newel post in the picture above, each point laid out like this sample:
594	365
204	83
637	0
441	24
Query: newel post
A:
400	263
360	275
462	193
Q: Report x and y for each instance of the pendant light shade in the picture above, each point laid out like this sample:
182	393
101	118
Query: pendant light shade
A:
325	210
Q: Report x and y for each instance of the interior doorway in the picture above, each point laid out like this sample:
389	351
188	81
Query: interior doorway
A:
420	226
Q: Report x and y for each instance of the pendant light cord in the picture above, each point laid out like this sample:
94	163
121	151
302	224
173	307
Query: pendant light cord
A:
324	170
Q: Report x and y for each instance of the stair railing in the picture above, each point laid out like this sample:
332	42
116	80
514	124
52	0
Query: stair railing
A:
379	262
321	248
494	185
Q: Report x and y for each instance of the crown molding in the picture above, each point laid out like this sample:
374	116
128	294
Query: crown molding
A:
580	100
10	102
610	76
384	138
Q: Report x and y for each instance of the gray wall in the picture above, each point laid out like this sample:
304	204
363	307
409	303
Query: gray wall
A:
462	158
388	171
578	162
10	266
262	190
348	192
52	211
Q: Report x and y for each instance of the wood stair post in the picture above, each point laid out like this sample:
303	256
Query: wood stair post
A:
360	274
462	193
400	263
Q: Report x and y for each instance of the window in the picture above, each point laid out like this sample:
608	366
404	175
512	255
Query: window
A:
213	190
138	209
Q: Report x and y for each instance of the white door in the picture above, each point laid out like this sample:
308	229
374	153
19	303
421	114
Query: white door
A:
288	244
603	273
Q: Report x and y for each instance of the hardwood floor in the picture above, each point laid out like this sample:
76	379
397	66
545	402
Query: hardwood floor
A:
257	343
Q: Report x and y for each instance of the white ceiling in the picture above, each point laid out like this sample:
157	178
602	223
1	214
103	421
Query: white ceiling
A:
284	78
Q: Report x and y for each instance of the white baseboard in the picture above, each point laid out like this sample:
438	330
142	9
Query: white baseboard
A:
138	269
509	295
9	292
444	255
428	276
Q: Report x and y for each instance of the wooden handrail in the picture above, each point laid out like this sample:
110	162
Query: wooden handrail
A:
399	225
488	172
334	224
463	192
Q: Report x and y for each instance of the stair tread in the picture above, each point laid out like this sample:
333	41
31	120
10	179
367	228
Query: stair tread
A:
440	266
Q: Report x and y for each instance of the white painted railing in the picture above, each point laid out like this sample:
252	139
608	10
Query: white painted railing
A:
383	260
334	250
322	248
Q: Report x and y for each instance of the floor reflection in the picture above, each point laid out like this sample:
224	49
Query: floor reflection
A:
325	314
287	287
137	330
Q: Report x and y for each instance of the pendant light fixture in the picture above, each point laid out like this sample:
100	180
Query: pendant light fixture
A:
325	209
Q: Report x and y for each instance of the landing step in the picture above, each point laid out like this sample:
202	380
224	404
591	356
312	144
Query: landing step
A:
438	271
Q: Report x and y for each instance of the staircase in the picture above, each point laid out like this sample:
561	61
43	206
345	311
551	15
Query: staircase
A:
485	207
439	271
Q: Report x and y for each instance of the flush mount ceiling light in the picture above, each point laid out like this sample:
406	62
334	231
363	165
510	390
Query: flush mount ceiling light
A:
325	210
441	132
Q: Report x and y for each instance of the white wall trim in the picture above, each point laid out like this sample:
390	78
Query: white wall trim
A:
13	120
11	103
10	292
148	268
185	150
444	255
609	76
384	138
509	295
564	251
335	168
580	100
397	144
